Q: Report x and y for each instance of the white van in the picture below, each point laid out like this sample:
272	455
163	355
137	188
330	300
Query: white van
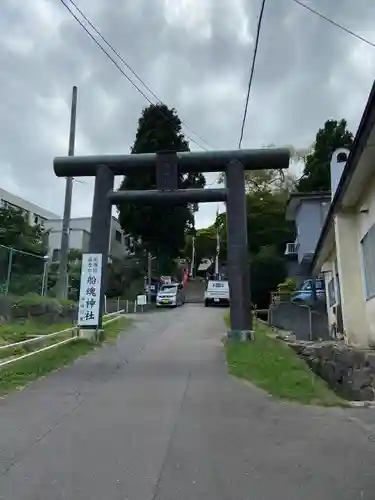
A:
217	292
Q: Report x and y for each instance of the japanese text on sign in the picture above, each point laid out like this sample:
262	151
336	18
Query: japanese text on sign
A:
89	296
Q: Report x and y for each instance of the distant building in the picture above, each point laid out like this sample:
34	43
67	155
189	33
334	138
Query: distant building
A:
308	211
79	235
33	213
120	244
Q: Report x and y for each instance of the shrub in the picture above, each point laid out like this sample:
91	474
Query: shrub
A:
287	286
34	305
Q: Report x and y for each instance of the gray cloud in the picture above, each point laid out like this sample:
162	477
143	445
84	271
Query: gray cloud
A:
195	55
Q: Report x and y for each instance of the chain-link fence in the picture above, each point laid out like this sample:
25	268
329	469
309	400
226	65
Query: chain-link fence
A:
22	272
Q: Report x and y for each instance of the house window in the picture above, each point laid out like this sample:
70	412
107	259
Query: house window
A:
118	236
368	251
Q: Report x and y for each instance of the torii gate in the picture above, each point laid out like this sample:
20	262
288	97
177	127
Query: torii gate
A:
168	167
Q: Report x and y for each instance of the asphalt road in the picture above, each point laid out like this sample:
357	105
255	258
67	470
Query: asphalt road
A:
157	418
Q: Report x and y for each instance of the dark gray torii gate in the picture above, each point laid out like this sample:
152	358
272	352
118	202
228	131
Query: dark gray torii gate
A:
168	167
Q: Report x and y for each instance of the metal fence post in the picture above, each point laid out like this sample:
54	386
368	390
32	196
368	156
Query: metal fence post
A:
9	272
118	304
127	306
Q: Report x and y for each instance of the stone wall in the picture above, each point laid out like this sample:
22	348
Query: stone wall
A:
350	372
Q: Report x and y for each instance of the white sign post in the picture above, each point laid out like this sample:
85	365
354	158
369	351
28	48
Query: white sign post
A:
89	296
141	301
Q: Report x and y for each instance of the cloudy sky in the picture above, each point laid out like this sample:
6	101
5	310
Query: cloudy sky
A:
195	55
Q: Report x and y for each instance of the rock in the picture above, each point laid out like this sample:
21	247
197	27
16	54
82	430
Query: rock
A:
367	393
364	394
328	372
361	378
370	360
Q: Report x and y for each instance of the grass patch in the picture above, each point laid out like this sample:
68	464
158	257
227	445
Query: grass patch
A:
16	331
271	365
113	329
19	374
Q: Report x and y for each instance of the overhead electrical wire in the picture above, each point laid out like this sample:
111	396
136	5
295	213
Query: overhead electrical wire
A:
63	2
132	70
251	73
334	23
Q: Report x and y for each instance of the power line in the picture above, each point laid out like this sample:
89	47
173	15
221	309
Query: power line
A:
251	73
334	23
131	69
120	69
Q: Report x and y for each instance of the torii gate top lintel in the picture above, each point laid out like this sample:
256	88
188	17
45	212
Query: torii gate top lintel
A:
207	161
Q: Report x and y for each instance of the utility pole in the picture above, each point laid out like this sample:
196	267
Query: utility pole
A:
192	266
64	250
217	246
149	272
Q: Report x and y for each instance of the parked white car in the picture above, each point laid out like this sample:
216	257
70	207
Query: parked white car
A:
171	295
217	292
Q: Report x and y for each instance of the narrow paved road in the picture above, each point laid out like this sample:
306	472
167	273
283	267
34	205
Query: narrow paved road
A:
157	418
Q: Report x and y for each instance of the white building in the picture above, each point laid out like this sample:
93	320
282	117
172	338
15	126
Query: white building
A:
79	237
33	213
345	252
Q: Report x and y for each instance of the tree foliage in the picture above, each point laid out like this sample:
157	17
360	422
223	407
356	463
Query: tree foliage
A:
268	232
317	174
161	228
16	232
22	252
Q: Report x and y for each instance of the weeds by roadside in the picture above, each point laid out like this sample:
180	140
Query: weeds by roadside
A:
16	331
20	373
271	365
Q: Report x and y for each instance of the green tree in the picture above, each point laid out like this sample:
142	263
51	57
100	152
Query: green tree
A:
268	231
25	261
162	229
16	232
316	174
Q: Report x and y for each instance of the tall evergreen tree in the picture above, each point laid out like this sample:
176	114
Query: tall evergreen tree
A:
162	228
317	174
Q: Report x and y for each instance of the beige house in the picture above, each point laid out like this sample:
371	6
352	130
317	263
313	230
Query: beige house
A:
345	252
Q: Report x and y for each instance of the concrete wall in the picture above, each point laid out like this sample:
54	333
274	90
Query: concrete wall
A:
365	219
306	322
310	217
350	267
